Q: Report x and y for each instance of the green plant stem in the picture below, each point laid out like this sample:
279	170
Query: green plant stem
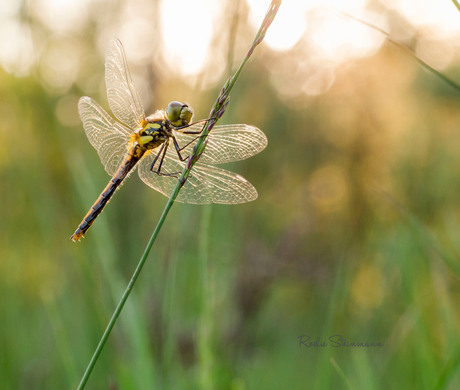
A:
128	290
206	323
341	373
216	112
456	4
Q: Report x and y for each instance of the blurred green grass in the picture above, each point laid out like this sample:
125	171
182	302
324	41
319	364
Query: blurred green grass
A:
355	232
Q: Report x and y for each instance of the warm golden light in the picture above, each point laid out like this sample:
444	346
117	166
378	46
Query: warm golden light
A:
316	31
187	29
320	23
441	17
289	25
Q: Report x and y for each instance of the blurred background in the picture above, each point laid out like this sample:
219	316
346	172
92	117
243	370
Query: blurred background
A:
356	231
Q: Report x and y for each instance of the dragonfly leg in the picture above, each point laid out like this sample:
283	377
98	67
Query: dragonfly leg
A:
191	124
180	149
162	153
176	144
156	157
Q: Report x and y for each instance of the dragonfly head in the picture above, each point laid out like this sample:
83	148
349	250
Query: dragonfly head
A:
179	114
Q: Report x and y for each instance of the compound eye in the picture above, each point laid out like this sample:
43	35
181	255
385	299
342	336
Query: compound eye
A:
173	111
186	115
179	114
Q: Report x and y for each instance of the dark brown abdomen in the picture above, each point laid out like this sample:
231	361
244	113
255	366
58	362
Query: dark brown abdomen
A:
128	163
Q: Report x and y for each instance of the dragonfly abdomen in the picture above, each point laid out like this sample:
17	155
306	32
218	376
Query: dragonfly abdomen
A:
127	165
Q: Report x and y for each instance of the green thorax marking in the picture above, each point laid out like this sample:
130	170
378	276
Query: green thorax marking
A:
154	134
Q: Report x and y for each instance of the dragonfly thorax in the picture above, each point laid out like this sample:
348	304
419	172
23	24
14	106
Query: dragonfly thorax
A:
154	134
158	127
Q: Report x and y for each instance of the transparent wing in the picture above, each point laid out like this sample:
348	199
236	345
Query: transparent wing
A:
225	143
207	184
108	137
124	101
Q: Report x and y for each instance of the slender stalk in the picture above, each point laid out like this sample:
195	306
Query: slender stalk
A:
128	290
456	4
216	112
402	46
206	323
341	373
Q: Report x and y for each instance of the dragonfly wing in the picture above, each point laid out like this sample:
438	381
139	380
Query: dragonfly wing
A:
209	184
108	137
226	143
206	184
124	101
171	165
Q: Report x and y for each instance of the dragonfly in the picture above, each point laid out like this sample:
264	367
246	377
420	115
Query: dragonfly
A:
160	145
